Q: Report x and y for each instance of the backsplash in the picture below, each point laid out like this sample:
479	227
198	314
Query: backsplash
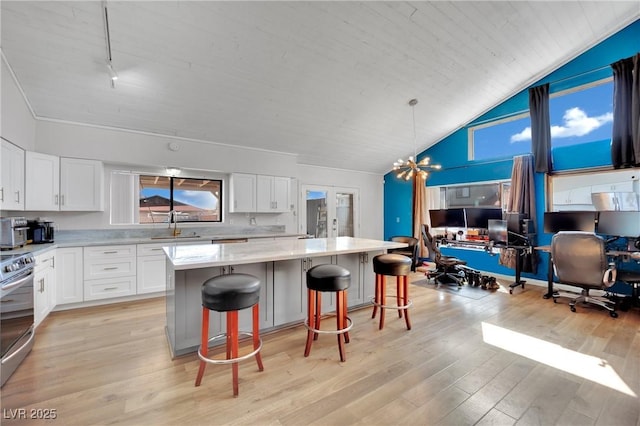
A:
79	236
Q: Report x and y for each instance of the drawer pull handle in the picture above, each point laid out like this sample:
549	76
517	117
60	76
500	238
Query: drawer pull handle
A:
7	300
110	288
110	252
112	268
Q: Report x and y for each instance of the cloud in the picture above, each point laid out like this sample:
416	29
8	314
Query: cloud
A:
575	123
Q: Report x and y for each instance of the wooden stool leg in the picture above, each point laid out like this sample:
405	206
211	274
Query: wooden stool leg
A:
318	310
405	300
345	313
232	317
256	334
311	319
383	297
340	321
204	342
399	295
376	297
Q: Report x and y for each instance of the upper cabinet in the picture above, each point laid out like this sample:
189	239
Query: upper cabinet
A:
63	184
11	177
272	195
259	194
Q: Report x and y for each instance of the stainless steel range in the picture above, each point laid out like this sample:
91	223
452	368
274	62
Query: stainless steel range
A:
16	311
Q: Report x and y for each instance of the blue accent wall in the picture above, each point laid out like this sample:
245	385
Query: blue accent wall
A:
451	152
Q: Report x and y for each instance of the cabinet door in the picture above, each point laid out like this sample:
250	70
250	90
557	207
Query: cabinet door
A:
44	286
69	275
289	292
81	185
12	177
151	272
264	189
42	182
281	190
242	190
328	299
353	262
259	270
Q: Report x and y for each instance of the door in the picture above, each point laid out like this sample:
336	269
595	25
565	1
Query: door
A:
328	212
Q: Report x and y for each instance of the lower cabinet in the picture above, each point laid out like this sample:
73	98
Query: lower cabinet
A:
289	292
44	291
70	287
109	271
151	270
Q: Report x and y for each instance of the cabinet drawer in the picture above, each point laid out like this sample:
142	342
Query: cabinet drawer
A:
109	268
44	261
103	252
150	249
108	288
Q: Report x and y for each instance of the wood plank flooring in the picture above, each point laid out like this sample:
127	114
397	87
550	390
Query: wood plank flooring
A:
111	365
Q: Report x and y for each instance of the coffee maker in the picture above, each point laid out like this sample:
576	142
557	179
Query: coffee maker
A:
40	231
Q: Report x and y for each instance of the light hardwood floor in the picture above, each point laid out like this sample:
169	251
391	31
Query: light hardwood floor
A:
111	365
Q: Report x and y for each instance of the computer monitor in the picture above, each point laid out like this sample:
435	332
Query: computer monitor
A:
498	232
619	224
478	217
447	218
570	221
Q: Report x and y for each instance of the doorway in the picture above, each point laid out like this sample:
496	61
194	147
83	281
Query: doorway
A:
328	212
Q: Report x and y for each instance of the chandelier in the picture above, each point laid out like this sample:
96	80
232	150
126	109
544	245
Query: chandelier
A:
407	169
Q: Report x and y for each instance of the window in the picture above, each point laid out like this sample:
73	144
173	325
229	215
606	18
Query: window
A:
494	194
192	200
581	115
501	138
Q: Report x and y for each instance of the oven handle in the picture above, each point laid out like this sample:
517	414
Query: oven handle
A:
29	339
19	282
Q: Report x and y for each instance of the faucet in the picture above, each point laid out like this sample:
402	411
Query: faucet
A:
173	215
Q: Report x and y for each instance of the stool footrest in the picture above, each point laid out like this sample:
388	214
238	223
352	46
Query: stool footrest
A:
344	330
230	360
380	305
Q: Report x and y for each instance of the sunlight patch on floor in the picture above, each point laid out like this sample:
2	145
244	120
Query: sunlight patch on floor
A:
588	367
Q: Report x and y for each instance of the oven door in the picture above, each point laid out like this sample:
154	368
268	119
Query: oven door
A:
16	311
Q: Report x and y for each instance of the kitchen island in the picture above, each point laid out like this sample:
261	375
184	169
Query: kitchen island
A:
281	266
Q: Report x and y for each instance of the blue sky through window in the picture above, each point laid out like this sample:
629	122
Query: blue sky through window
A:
576	117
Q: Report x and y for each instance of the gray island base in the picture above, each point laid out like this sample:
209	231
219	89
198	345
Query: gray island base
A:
281	266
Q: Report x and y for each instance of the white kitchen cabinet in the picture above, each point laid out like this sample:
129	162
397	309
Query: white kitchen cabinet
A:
262	271
70	287
12	177
63	184
151	269
81	185
242	193
109	271
272	194
44	285
289	292
42	181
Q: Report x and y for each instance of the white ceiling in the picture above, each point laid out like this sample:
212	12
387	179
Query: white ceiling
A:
328	81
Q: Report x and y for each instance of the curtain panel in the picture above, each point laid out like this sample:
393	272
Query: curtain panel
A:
420	211
625	137
540	127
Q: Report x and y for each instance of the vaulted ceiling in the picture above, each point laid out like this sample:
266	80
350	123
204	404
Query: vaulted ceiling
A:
328	81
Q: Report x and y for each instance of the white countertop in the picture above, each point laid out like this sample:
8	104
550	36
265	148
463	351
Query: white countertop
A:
209	255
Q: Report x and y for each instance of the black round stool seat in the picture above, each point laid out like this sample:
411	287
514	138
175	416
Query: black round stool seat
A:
392	264
231	292
328	278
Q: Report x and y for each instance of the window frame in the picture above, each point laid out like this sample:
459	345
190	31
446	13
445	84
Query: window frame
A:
471	148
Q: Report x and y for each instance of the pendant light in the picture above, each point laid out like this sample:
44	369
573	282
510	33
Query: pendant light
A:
411	167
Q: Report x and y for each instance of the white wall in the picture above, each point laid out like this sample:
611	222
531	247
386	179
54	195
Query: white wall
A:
17	124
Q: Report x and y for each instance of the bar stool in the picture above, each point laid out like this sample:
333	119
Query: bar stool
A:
327	278
399	266
230	293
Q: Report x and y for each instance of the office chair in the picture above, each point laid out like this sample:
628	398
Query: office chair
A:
580	259
410	251
447	267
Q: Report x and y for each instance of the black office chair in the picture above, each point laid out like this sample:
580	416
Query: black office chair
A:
580	259
448	269
410	251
